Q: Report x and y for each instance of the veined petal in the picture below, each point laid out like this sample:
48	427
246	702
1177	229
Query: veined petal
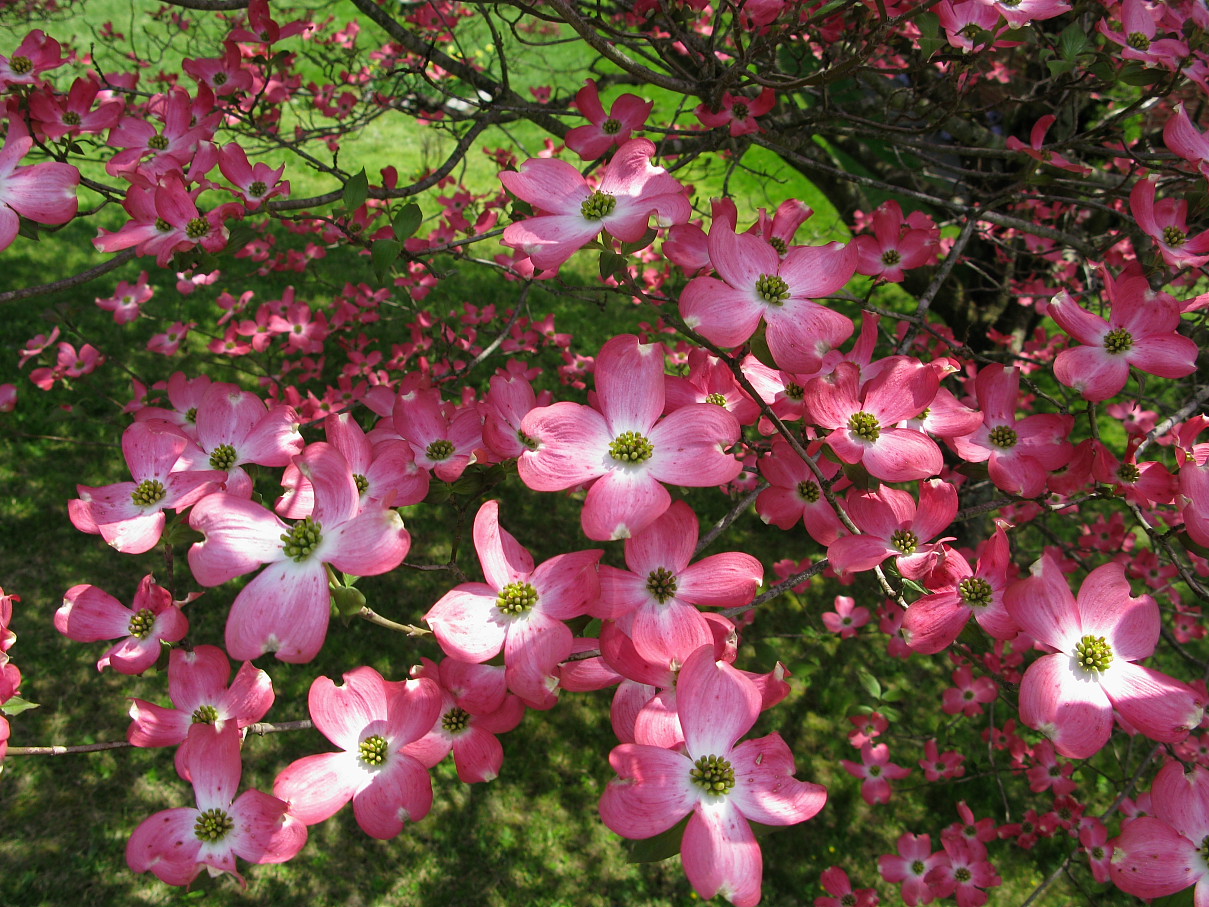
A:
623	501
165	844
721	580
239	536
1106	608
1041	604
467	623
573	446
1181	799
1067	704
400	793
718	311
369	544
1151	859
504	560
264	832
535	645
689	446
653	791
629	384
316	787
721	854
668	542
1159	706
342	713
716	703
765	790
285	609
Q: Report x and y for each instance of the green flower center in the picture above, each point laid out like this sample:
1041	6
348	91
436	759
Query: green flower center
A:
865	425
962	874
1174	236
158	142
1139	41
1003	436
1097	853
714	775
205	714
661	584
223	457
975	592
1118	340
516	598
740	111
149	493
197	228
21	65
611	126
772	288
257	188
794	391
848	900
361	482
905	541
631	447
71	118
526	440
918	867
455	720
162	225
213	825
439	450
875	771
220	78
191	414
808	491
891	257
779	244
598	205
141	623
373	750
716	399
1128	473
1094	653
302	539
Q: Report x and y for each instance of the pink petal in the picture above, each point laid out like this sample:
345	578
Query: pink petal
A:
573	443
214	765
690	447
285	609
478	755
815	271
623	501
719	312
535	645
651	794
1159	706
717	704
721	580
629	384
399	793
503	559
263	832
239	536
1062	701
90	614
1181	799
1151	859
166	844
721	855
668	542
663	632
316	787
342	713
1106	608
467	623
566	583
371	543
1042	606
765	790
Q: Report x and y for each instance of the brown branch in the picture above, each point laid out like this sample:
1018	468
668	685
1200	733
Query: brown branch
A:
258	729
67	282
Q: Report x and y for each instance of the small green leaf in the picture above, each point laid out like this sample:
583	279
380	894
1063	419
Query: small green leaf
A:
895	695
356	191
660	847
869	682
641	243
407	221
1073	41
16	705
611	265
1135	73
1059	67
348	601
382	256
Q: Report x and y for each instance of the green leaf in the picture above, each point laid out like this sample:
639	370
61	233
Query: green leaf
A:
356	191
407	221
1135	73
869	682
611	265
641	243
1073	41
382	256
660	847
16	705
1059	67
1179	899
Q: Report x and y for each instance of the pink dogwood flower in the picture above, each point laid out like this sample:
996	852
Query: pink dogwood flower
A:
521	609
202	692
1142	331
1160	854
372	720
758	285
603	131
719	783
863	417
89	614
910	867
44	193
895	246
624	448
1166	222
572	214
876	771
285	608
127	299
847	618
1070	695
655	602
738	112
175	844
